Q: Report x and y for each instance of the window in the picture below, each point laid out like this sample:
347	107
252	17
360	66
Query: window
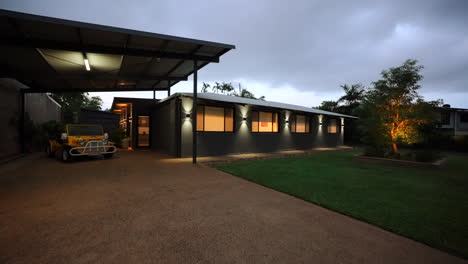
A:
300	124
264	122
464	118
445	118
332	127
215	119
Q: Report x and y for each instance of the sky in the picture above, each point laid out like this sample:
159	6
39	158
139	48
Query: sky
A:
301	51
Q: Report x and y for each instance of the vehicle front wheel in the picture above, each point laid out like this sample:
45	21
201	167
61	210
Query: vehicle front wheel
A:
66	155
108	155
49	152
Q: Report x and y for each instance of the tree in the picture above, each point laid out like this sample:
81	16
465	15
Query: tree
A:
328	106
205	88
351	100
228	89
73	102
393	112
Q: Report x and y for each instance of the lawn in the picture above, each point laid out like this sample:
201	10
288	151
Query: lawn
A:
430	206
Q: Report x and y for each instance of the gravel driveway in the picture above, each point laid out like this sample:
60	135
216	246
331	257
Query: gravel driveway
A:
143	208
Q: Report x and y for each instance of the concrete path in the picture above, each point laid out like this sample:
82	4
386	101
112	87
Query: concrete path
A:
143	208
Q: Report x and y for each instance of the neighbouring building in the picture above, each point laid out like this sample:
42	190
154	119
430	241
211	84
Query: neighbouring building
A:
227	125
454	121
38	108
107	120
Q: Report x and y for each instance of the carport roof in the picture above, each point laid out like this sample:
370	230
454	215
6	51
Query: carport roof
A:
48	54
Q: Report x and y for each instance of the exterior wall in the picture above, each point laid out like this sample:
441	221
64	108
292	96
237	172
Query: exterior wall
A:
163	128
242	140
42	108
456	127
10	110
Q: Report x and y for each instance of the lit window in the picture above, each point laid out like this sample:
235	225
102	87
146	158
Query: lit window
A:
300	124
332	127
215	119
264	122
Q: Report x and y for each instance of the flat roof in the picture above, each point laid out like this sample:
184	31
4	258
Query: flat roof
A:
48	54
256	102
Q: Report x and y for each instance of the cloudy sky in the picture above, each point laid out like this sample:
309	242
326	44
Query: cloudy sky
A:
298	51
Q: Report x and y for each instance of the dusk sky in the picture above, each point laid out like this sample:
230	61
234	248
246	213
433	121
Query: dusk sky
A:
298	52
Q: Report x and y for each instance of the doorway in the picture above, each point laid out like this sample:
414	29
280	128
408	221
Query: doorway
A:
143	131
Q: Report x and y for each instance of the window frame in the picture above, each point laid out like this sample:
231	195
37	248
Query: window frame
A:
273	113
293	124
202	106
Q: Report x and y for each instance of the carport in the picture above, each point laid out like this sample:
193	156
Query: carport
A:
51	55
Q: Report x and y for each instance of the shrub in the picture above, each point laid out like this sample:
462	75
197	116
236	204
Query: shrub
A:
116	135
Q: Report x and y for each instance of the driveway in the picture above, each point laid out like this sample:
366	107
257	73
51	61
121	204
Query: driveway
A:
143	208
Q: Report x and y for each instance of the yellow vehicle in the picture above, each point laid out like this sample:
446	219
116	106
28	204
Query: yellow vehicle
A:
81	140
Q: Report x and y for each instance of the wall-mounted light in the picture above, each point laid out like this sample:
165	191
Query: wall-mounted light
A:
287	121
320	123
187	115
244	119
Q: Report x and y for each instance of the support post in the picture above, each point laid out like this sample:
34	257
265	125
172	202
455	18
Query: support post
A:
194	114
21	122
154	94
168	88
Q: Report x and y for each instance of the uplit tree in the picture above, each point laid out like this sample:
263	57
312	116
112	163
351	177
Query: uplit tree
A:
393	112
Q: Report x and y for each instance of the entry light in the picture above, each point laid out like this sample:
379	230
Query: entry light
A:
187	115
86	62
287	121
244	118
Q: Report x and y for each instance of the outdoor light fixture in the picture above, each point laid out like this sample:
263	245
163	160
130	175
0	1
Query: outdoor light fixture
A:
287	121
86	62
244	118
187	115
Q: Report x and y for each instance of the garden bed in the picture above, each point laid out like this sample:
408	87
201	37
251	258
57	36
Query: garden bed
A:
400	163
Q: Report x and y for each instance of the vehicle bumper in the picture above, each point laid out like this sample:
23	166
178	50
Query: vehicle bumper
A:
92	148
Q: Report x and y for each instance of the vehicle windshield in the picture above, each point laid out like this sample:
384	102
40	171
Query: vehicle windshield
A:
85	131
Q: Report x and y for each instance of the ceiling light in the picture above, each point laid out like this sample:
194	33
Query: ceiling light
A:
86	62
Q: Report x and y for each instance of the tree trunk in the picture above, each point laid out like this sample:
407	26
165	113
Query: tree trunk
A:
395	148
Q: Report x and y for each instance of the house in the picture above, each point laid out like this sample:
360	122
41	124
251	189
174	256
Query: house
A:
454	121
228	124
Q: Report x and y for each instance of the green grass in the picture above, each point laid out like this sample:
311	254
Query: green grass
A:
430	206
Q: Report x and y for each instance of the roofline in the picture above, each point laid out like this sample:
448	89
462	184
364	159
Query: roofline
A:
59	21
323	112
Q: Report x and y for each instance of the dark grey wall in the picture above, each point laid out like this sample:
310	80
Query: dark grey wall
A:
9	117
244	141
163	128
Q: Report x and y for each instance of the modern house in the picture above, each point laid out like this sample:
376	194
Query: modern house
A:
228	124
454	121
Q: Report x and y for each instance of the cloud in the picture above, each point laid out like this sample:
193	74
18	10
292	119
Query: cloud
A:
304	49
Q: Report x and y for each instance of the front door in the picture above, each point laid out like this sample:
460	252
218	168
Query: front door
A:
143	131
